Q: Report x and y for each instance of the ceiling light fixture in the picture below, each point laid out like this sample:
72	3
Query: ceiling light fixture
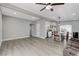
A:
48	7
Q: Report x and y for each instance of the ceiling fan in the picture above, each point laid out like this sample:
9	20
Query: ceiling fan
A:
49	5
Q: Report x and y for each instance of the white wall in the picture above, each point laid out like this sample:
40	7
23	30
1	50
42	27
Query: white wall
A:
75	25
40	28
14	28
0	27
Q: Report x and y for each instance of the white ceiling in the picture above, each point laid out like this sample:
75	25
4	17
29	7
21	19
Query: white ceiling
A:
64	11
14	13
67	12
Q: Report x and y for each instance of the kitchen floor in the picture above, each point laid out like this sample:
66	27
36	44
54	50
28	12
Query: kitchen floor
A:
32	47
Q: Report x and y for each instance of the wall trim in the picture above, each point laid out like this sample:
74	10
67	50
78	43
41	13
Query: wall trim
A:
25	37
39	37
15	38
16	17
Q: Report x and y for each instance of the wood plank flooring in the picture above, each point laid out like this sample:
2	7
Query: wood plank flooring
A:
31	47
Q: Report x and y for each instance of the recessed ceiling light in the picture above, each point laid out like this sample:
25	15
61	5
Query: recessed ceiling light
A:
14	12
73	14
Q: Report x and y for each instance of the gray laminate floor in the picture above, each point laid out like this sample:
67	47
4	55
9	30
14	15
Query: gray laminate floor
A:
32	47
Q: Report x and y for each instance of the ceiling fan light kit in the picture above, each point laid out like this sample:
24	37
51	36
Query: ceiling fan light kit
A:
48	7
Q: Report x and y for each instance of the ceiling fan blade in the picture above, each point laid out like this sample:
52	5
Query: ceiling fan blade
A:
43	9
58	4
41	3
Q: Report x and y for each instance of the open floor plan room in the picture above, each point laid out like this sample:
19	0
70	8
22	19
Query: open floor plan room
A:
39	29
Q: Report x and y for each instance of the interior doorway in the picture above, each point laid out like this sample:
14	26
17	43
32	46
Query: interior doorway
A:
32	30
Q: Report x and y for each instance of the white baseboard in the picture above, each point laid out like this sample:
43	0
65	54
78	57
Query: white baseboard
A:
15	38
40	37
20	38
